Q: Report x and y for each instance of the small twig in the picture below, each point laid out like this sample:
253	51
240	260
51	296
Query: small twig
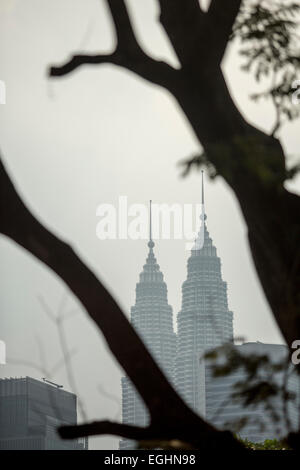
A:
58	320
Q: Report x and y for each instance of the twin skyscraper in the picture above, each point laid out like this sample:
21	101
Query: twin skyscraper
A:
204	322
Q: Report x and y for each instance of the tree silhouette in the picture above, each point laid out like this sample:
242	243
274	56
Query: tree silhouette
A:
249	160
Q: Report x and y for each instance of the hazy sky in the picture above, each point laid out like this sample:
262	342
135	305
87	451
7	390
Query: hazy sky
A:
74	143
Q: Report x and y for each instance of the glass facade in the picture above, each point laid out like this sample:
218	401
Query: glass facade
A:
31	411
204	321
152	318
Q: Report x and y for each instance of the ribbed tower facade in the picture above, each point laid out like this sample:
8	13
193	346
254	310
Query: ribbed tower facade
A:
204	321
152	318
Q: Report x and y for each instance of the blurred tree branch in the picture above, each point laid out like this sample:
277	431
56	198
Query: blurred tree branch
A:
127	53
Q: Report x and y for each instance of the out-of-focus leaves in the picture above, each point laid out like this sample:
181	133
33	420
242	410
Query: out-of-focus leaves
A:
255	393
267	31
257	386
293	171
238	424
196	162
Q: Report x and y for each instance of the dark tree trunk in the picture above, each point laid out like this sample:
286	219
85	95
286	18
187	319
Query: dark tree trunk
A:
253	164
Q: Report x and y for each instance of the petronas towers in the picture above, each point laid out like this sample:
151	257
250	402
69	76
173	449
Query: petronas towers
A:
152	318
204	322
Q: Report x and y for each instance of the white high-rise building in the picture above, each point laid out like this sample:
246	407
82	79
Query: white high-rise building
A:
204	322
152	318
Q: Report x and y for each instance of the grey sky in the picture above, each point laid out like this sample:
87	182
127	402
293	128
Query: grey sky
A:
102	132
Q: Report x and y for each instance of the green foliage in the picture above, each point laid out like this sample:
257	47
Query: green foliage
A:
268	444
268	32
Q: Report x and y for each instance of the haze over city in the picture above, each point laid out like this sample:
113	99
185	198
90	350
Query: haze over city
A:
59	145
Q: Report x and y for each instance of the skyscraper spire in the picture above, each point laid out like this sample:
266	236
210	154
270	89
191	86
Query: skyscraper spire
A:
203	215
202	189
152	318
151	243
199	241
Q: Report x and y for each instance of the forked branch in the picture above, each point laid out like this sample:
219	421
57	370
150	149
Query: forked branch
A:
127	54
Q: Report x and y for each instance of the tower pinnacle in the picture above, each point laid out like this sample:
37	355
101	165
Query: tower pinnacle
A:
150	243
203	215
199	241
